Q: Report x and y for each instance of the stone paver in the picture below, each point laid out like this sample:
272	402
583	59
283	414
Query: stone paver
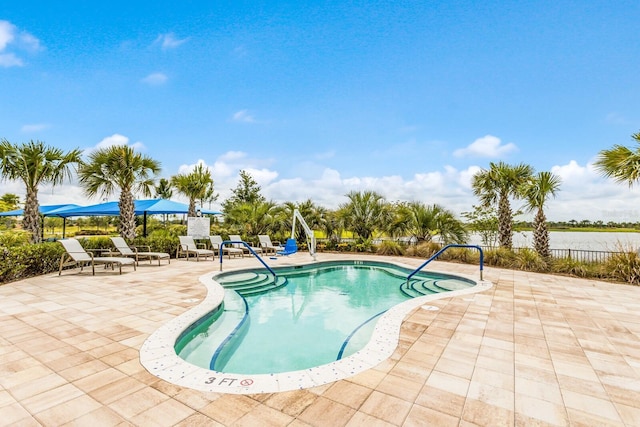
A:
535	349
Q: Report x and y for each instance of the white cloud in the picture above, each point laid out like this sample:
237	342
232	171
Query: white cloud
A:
243	116
7	34
12	38
487	146
116	139
584	194
155	79
169	41
36	127
10	60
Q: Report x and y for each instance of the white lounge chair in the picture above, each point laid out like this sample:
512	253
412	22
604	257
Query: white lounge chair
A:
237	238
216	242
188	247
267	246
76	256
127	251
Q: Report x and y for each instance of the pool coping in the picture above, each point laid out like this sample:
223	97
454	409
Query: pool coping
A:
158	355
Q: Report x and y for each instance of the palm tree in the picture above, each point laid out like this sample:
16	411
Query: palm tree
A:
12	201
620	163
252	219
365	213
163	189
536	192
424	222
195	185
35	163
120	168
497	185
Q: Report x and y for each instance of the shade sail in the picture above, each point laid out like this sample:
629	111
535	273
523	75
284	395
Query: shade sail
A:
150	207
45	210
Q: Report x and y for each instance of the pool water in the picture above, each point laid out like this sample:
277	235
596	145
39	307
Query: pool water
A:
307	316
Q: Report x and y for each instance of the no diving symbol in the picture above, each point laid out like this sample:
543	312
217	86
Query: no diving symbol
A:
246	382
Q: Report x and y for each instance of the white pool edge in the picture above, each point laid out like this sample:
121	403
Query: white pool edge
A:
158	355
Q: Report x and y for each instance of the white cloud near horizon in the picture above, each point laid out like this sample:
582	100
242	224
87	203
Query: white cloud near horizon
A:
487	146
11	37
155	79
584	194
169	41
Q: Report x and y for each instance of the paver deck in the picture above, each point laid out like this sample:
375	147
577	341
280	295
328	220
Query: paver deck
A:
535	349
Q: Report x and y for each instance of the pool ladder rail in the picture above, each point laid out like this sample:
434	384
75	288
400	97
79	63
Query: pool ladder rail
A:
434	256
242	242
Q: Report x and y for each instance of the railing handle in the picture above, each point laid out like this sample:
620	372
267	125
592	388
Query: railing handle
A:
221	250
413	273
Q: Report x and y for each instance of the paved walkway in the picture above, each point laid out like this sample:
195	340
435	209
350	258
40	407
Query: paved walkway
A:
533	350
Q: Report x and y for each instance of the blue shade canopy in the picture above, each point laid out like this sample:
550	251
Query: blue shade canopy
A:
150	207
47	210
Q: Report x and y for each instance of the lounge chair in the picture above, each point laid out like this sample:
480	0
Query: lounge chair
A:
290	247
127	251
216	242
237	238
267	246
76	255
188	247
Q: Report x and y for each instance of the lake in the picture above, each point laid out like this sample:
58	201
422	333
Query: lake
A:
593	241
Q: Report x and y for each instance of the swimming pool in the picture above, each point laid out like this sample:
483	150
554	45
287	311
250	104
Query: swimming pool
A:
158	353
306	316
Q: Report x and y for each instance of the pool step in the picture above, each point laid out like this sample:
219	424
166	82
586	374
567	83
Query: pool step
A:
253	283
417	288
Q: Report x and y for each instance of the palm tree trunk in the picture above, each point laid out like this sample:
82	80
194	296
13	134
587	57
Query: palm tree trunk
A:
31	221
127	225
504	226
541	235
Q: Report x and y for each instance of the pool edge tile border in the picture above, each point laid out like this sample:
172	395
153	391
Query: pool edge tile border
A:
158	355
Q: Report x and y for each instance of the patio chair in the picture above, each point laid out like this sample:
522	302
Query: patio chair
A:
188	247
216	242
268	246
237	238
290	247
128	251
76	255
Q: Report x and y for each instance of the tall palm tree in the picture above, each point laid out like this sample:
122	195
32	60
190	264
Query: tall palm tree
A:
35	163
620	163
496	185
119	168
364	213
536	191
424	222
195	185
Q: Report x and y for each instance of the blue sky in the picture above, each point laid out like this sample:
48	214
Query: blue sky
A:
316	99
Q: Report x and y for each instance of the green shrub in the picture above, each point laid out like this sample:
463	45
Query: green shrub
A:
20	262
530	260
390	247
500	257
424	249
13	238
570	266
624	266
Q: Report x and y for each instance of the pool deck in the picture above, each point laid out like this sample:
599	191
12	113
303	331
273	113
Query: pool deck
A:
534	349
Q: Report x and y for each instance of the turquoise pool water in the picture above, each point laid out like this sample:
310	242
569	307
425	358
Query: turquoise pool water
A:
308	316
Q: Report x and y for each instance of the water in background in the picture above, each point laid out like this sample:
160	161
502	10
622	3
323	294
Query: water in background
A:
592	241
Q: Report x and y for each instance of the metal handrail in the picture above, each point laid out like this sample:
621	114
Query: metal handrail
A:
434	256
250	250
